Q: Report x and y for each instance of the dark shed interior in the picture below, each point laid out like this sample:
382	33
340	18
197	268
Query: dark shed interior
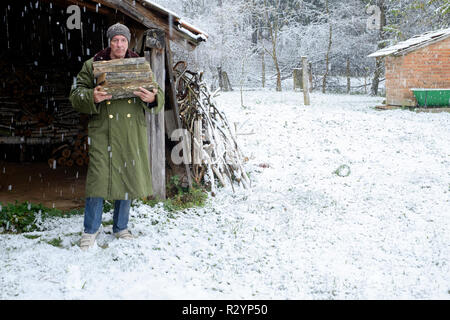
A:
43	141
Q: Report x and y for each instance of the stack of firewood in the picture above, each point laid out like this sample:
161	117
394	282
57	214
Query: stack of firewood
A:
71	154
121	77
34	109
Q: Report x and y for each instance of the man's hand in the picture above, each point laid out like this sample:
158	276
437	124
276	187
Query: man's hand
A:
100	96
145	95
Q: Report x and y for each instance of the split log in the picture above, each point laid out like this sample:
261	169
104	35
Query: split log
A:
61	161
75	155
69	163
66	153
80	161
120	65
52	163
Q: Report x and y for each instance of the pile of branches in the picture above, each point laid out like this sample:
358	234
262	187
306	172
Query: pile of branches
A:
215	151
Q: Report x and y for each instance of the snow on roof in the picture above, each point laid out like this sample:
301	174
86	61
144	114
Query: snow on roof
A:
162	9
414	43
180	23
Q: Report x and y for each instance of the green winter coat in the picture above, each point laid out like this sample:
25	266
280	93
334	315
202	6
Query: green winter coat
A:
119	167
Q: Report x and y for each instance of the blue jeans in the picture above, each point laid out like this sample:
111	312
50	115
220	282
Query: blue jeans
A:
93	215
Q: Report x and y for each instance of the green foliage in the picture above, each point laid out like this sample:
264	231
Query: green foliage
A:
26	217
108	206
56	242
183	200
181	197
31	236
108	223
176	185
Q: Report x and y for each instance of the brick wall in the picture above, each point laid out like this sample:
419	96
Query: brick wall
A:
427	67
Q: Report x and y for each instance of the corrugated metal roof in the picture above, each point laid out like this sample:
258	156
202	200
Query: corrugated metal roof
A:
414	43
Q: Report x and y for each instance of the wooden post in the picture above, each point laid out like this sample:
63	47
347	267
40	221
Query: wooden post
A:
297	81
172	95
155	54
306	84
348	75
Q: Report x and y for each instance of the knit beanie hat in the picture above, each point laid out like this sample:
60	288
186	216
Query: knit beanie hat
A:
117	29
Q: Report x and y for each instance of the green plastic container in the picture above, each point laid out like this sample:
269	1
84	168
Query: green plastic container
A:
432	97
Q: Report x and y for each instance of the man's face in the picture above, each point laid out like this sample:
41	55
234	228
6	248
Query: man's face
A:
119	47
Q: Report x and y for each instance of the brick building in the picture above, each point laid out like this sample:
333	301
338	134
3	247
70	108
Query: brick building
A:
422	61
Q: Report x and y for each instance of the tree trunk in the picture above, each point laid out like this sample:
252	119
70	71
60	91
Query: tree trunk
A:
273	38
263	63
327	62
381	44
263	76
376	76
277	67
220	78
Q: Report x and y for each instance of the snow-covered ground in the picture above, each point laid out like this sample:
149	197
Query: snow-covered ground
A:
301	232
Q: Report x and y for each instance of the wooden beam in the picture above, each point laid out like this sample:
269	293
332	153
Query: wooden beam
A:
155	122
172	94
145	16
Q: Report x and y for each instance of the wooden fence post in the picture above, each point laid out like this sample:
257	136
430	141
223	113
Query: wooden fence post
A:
155	54
306	84
297	81
348	75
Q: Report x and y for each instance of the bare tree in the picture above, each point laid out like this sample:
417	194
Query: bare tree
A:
273	25
381	44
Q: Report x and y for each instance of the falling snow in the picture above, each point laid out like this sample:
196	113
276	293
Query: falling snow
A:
347	202
301	232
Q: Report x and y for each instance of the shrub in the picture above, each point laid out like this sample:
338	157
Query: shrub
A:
26	217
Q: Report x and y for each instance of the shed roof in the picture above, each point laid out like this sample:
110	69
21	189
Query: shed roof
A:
152	15
414	43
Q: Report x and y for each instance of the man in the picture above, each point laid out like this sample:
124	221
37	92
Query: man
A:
119	167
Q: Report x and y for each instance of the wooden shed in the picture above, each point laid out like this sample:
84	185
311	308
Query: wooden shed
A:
41	55
421	62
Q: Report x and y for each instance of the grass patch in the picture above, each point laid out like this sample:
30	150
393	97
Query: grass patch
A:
180	197
30	236
26	217
192	198
107	223
56	242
